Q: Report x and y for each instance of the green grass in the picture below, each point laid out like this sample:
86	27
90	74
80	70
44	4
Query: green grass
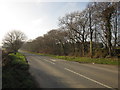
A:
111	61
15	74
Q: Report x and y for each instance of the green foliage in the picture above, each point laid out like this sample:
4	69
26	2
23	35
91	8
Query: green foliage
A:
113	61
18	61
15	73
89	60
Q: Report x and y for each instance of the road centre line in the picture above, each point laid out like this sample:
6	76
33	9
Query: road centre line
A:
49	61
89	78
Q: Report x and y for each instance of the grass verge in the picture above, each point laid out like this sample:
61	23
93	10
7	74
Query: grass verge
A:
111	61
15	74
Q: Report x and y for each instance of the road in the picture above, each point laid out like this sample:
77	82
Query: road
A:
57	73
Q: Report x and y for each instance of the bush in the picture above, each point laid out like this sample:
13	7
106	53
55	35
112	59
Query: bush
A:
101	53
16	74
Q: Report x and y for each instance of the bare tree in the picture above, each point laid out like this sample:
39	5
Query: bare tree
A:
114	23
13	41
90	25
96	27
76	24
107	15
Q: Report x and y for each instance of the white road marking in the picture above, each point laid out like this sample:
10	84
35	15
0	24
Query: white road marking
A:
49	61
53	60
88	78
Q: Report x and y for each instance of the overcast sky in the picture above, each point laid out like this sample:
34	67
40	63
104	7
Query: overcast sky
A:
34	18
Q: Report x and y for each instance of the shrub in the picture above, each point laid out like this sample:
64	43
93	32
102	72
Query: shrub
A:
16	74
101	53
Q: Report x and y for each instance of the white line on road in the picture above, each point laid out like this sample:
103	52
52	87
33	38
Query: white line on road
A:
88	78
53	60
49	61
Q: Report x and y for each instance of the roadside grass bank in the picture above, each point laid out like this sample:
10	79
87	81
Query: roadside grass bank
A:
15	73
111	61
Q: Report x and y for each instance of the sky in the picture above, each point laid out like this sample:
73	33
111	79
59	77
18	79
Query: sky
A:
34	18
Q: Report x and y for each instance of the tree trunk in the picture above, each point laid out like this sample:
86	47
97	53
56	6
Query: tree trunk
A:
109	37
83	49
91	46
115	29
91	36
74	49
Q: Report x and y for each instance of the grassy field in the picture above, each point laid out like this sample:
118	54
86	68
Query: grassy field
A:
15	74
111	61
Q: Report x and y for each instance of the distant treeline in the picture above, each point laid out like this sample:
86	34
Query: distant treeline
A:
92	32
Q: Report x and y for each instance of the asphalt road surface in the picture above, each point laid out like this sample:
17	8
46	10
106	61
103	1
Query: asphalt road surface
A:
57	73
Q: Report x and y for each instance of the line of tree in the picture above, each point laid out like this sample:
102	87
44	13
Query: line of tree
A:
95	29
